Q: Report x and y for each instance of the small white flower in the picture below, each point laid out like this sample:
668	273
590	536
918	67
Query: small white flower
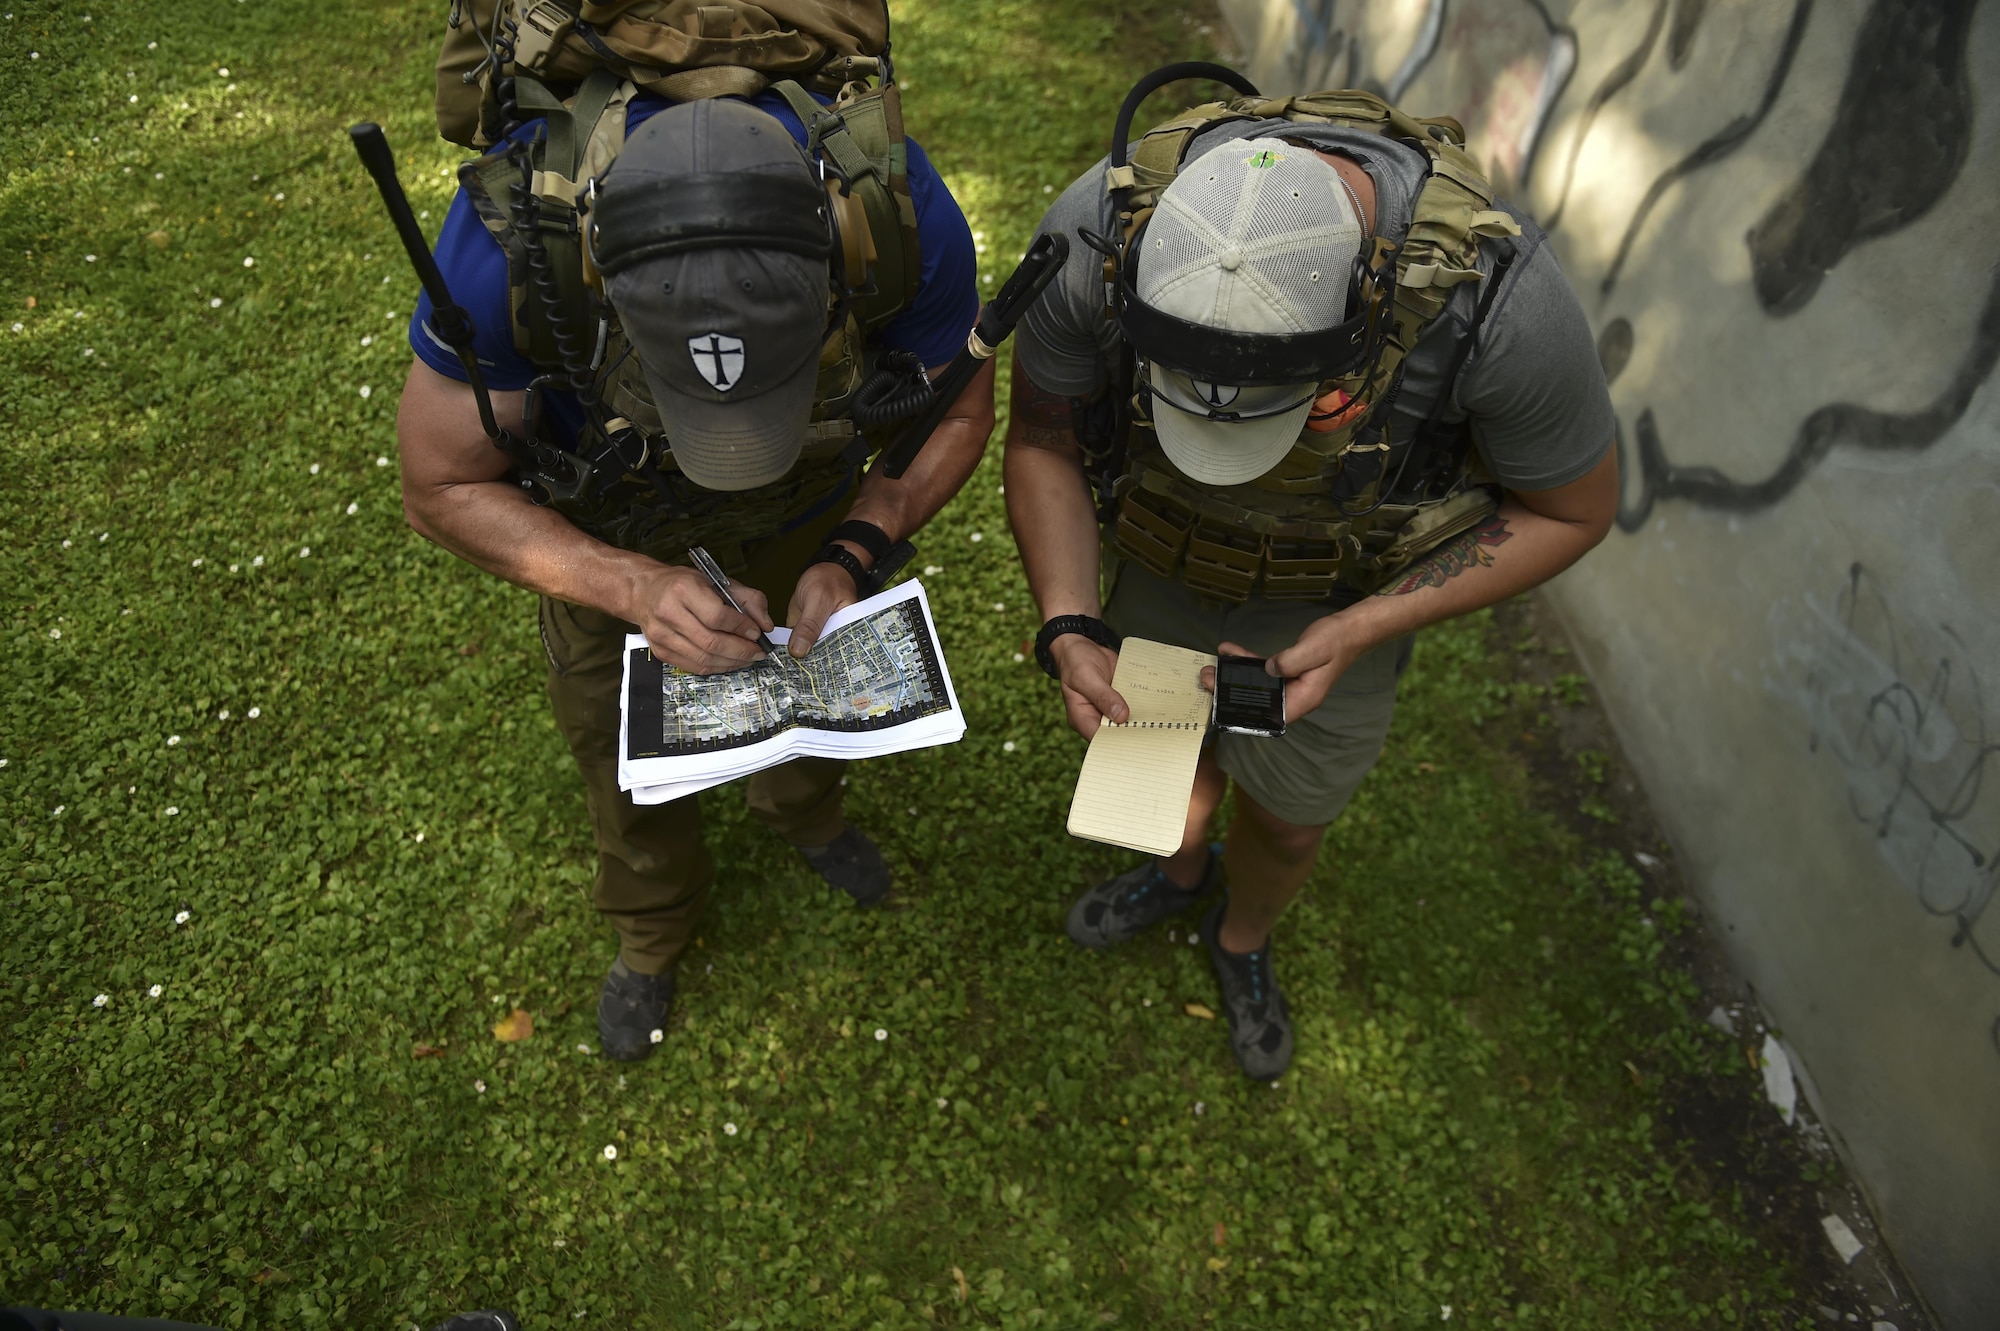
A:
155	991
999	607
305	552
352	509
197	564
729	1129
159	175
366	391
173	810
932	570
1444	1312
65	545
173	740
381	462
1194	940
3	762
656	1035
222	73
881	1034
100	1000
20	327
90	351
1048	189
232	568
942	1102
133	98
58	811
1018	658
479	1086
425	213
1200	1108
420	836
152	46
611	1153
1145	1002
279	196
215	302
583	1049
90	258
1173	935
1008	747
979	536
249	262
103	536
55	633
254	713
258	562
313	470
180	917
368	340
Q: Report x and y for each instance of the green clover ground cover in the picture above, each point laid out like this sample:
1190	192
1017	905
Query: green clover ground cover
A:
283	804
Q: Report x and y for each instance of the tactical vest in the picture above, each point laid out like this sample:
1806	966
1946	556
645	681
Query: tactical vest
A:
618	481
1345	511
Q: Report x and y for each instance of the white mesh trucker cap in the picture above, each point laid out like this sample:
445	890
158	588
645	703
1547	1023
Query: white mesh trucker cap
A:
1254	236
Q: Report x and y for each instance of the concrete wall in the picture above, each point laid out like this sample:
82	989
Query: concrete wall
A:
1779	215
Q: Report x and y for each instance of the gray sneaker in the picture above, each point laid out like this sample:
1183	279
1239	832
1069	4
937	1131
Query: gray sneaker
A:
1260	1024
851	863
1122	907
632	1011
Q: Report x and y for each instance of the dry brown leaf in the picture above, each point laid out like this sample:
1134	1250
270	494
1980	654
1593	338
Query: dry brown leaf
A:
31	302
516	1025
159	239
1427	767
964	1286
1637	1080
427	1051
1200	1010
1221	1234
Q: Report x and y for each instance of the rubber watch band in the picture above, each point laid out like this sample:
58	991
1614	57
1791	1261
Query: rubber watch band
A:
1089	626
841	555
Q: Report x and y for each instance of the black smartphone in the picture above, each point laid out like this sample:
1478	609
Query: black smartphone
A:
1248	701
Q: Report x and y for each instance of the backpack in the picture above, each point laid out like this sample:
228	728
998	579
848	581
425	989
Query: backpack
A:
683	50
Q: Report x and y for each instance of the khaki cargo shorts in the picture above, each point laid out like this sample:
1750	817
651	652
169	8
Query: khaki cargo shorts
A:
1308	775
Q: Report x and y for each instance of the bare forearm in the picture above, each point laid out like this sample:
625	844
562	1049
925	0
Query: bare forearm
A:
1055	526
492	525
1514	550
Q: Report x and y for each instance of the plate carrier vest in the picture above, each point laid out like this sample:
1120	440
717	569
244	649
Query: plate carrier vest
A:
1320	524
618	481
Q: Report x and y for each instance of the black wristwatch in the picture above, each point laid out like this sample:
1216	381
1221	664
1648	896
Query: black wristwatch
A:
887	555
1089	626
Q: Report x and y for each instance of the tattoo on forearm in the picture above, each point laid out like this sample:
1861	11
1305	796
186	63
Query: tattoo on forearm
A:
1472	550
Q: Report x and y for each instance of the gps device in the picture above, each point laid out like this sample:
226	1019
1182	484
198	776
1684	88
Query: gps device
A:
1248	701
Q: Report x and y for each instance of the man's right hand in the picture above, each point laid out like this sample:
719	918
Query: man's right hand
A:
691	627
1088	697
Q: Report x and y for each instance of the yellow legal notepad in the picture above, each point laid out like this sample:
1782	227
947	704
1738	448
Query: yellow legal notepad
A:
1137	777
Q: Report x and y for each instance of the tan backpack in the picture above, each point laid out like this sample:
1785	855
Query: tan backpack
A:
681	49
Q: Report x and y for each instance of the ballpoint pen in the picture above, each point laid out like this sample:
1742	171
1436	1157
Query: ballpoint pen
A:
720	581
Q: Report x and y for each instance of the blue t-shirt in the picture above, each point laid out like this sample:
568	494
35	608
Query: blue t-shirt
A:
933	327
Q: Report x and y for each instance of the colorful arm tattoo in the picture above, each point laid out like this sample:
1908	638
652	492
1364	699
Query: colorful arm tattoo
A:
1474	548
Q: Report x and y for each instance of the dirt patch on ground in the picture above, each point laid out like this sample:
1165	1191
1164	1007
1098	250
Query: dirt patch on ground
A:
1787	1179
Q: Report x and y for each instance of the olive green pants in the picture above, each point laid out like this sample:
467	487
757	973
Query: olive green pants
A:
654	870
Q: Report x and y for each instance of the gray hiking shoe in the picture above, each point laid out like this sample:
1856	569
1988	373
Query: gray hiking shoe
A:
851	863
1119	908
632	1011
1260	1024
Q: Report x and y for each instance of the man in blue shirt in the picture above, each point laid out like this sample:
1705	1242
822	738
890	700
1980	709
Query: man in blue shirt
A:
726	363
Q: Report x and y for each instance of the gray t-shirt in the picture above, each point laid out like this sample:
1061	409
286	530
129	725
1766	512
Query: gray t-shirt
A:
1532	389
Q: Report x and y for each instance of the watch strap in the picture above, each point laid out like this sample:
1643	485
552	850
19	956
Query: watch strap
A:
864	534
841	555
1089	626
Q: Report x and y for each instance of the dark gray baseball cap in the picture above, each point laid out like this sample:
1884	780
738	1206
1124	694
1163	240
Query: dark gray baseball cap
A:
711	232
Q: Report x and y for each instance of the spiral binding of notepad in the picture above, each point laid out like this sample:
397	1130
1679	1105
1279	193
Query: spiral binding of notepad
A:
1154	725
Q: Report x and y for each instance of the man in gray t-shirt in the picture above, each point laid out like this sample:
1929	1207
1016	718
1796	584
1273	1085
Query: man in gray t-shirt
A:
1299	487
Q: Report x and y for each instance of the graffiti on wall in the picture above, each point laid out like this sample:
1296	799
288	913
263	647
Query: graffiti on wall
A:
1906	714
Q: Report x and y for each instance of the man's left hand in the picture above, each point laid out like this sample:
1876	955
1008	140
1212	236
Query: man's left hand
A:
1313	664
822	589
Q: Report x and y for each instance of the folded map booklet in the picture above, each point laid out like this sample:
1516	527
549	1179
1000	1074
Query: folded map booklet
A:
874	683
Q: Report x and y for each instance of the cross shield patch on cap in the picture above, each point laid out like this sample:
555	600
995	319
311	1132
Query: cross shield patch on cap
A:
718	358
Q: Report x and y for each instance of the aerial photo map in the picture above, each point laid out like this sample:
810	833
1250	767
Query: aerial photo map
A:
879	671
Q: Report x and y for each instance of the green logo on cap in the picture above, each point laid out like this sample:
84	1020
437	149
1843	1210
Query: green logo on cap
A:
1264	158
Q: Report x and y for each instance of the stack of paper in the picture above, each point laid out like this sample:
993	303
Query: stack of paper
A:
874	683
